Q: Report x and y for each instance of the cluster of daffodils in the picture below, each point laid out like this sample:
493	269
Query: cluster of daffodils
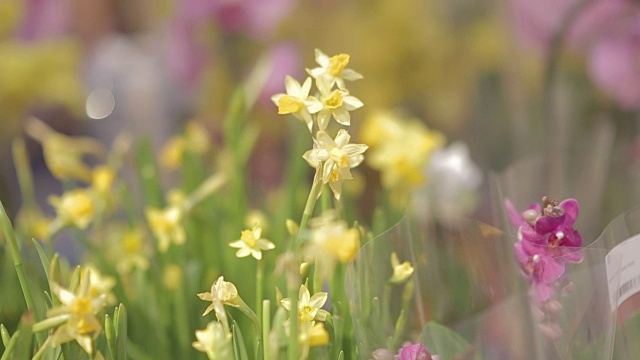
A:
334	157
547	242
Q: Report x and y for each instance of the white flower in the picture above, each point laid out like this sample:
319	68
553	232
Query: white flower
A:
251	243
338	158
452	192
309	307
335	102
214	341
334	69
297	101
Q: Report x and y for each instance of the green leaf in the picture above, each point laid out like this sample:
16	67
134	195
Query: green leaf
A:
24	348
239	348
110	334
43	258
121	333
5	335
443	341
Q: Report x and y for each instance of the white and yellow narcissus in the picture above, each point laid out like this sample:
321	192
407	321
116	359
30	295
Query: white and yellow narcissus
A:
297	101
337	157
252	243
309	307
334	68
336	103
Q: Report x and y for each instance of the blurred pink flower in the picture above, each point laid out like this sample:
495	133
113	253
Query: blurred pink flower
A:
414	352
614	64
256	18
45	19
285	60
606	30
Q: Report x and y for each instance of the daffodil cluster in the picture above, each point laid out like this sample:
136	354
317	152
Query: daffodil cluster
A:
333	156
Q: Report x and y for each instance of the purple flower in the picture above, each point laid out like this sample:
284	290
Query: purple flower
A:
546	241
45	19
414	352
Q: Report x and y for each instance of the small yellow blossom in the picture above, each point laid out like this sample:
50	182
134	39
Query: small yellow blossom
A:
334	237
309	307
214	341
334	69
75	207
315	334
251	243
297	101
129	250
223	291
171	153
101	284
63	154
401	272
166	226
196	137
255	218
400	150
338	158
102	179
336	103
81	308
172	277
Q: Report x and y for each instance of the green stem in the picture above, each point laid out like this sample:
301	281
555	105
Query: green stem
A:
208	187
7	229
266	327
42	349
23	171
10	345
259	287
50	323
316	188
293	322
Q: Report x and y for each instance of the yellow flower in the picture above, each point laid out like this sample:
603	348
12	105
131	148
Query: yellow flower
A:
166	226
172	277
255	218
100	284
315	334
334	69
102	179
214	341
332	237
222	291
63	154
401	272
297	101
81	309
400	150
196	138
128	251
309	307
336	103
171	153
338	158
251	243
75	207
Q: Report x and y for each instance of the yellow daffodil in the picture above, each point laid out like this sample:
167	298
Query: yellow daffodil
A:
336	103
81	309
334	69
338	158
129	251
102	179
251	243
166	225
172	277
75	207
64	154
171	153
334	237
297	101
309	307
101	284
400	150
214	341
223	291
315	334
401	272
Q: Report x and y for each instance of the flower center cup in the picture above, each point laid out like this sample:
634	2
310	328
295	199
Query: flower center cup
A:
337	64
334	101
289	104
248	238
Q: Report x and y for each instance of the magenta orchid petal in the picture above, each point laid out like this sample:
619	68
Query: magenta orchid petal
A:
571	209
414	352
547	224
